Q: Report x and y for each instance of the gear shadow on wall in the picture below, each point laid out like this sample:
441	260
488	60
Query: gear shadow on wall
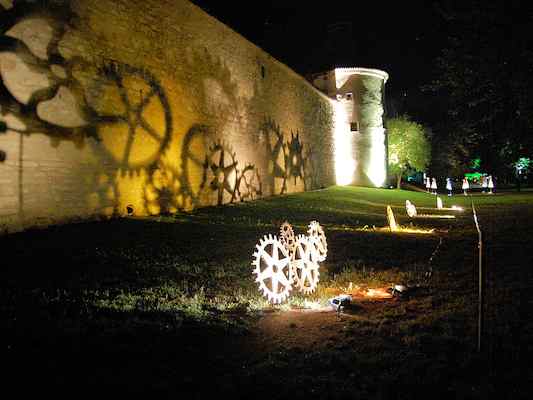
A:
120	106
286	160
210	174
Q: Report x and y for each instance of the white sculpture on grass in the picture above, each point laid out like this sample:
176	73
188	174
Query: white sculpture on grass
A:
290	260
439	203
317	235
305	265
286	236
411	209
392	221
273	269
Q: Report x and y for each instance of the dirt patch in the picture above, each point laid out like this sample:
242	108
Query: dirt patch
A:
310	329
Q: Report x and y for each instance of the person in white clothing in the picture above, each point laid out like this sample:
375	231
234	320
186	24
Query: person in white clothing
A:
490	184
434	186
466	186
449	187
428	184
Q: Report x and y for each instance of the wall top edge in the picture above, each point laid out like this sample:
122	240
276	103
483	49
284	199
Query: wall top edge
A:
376	73
262	52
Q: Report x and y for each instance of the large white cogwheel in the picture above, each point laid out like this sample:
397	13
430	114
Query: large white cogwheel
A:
272	269
318	237
286	236
305	265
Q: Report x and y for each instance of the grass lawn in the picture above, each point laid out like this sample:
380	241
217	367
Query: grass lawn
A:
168	306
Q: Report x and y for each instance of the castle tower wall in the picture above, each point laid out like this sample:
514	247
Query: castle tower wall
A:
359	92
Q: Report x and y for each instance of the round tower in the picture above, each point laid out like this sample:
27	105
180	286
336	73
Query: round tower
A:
360	98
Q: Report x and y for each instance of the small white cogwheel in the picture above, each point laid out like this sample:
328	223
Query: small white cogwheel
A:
272	269
286	236
318	237
305	265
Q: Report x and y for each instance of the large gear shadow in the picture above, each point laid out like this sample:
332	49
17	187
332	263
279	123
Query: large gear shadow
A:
130	119
131	128
287	162
277	156
295	159
249	186
162	193
210	171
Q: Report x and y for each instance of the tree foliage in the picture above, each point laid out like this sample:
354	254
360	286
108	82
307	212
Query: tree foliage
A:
409	147
484	74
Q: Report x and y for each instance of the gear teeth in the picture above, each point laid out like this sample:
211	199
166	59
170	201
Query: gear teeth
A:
268	245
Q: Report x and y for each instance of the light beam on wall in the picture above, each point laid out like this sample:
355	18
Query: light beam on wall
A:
377	172
345	163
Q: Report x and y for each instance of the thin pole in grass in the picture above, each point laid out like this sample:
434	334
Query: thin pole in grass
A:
480	280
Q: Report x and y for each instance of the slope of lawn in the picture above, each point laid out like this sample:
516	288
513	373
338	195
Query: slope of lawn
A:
169	306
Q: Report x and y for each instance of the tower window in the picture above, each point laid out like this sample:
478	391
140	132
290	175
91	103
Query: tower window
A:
354	126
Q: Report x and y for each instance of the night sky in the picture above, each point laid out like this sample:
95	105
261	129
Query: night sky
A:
402	38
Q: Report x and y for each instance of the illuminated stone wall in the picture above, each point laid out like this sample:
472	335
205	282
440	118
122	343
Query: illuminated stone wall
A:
146	107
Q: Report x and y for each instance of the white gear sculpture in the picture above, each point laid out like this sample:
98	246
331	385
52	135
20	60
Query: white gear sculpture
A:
272	268
305	265
286	236
318	237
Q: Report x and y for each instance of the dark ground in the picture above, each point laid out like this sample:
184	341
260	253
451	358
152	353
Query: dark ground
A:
56	339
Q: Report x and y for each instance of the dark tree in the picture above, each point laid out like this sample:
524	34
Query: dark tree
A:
484	75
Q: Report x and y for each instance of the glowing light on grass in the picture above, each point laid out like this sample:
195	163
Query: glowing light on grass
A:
403	229
354	292
393	226
345	163
457	208
435	216
378	293
314	305
399	230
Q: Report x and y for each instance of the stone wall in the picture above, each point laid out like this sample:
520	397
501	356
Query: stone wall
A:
114	107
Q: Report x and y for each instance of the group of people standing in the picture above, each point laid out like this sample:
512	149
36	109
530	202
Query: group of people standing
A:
486	183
